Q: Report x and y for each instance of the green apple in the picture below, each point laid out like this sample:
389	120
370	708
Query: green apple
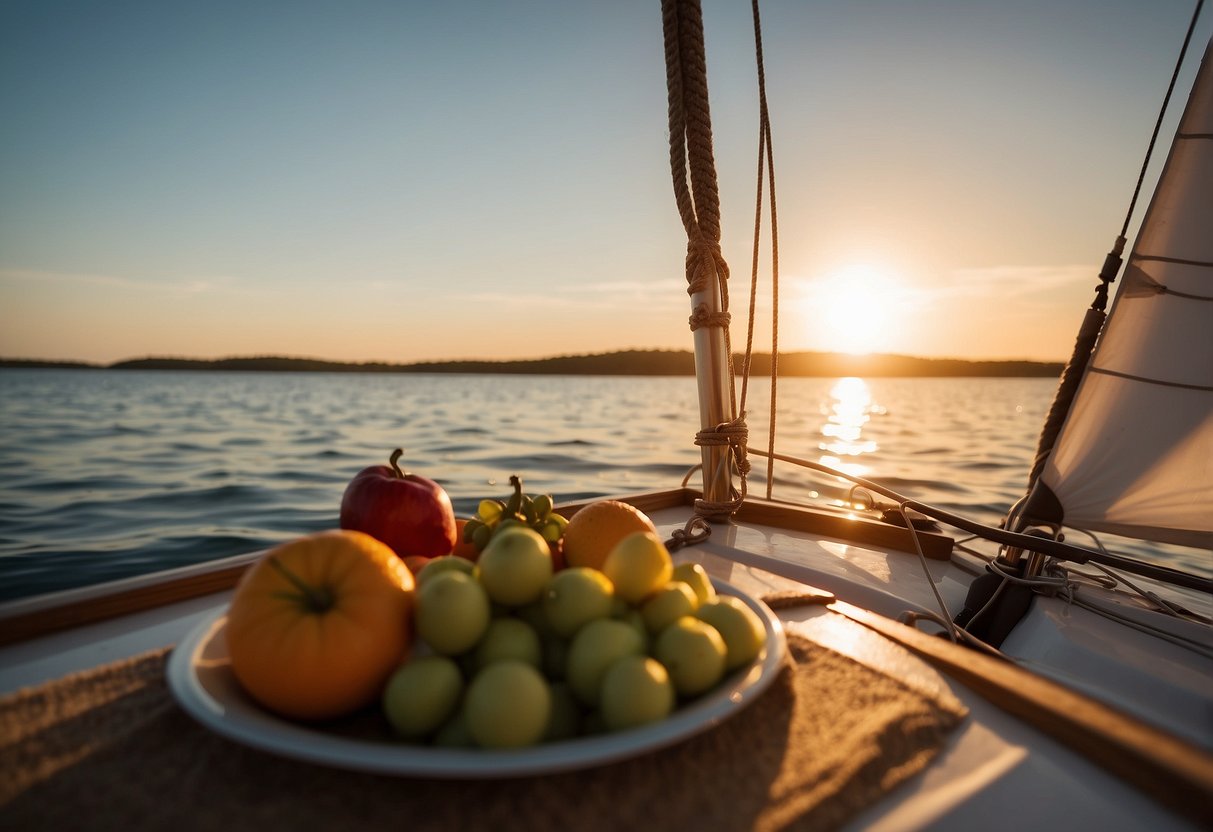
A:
452	612
443	563
694	654
636	691
421	695
638	566
508	638
576	596
508	705
696	577
515	567
593	650
667	605
742	630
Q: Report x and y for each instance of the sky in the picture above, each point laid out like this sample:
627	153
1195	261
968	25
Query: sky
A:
407	181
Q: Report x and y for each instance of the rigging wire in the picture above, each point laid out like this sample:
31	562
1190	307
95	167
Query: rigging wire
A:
1183	50
766	166
1046	546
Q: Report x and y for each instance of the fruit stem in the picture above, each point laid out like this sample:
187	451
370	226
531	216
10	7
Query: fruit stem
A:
396	454
516	481
316	599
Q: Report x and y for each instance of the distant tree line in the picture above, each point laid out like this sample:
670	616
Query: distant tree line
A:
623	363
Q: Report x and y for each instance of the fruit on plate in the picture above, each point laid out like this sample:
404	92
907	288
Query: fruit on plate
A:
519	510
694	654
596	647
593	531
667	605
696	577
433	566
739	626
408	512
574	597
508	639
515	567
636	691
507	705
422	695
638	565
316	627
452	612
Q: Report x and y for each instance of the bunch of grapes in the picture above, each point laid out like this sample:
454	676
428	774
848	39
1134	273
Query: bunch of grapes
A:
520	509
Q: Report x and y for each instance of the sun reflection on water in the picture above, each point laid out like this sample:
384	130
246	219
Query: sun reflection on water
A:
849	410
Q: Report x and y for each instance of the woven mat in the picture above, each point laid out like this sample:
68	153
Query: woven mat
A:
110	749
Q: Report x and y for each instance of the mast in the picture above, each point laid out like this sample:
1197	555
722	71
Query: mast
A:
695	189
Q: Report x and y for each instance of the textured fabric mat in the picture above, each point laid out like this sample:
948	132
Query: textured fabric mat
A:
110	749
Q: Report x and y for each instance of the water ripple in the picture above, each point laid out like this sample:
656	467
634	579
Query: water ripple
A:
113	474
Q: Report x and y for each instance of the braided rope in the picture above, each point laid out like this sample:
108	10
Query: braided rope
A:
696	193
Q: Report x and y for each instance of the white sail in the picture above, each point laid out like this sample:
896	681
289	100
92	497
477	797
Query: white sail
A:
1135	455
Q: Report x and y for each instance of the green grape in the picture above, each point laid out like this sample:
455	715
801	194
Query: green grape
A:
527	510
470	528
490	511
553	528
542	506
550	531
481	536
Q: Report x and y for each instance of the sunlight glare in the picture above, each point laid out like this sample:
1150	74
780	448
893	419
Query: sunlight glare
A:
854	309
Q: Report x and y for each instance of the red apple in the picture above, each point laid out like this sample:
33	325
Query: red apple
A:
408	512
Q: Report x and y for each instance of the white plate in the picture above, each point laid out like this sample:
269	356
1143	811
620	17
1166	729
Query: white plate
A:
201	680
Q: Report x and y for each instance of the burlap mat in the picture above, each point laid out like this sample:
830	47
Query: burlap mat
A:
109	749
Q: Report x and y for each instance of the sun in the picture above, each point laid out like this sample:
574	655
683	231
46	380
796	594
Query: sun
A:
853	309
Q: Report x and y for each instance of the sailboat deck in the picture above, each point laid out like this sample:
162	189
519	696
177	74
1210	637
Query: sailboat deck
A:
989	763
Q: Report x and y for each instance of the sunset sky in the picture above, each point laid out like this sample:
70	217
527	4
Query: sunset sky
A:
403	181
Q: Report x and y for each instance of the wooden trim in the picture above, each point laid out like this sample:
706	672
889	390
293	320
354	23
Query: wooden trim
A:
1168	769
43	615
861	530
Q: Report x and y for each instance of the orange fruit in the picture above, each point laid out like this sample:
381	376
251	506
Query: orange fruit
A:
594	530
316	627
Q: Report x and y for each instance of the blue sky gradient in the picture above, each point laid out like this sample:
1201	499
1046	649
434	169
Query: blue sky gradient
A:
408	181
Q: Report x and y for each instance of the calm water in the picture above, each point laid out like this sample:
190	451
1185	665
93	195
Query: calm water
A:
109	474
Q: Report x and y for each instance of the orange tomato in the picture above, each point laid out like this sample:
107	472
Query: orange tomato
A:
319	623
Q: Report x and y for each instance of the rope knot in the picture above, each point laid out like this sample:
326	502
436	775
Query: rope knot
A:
735	434
701	317
704	254
696	530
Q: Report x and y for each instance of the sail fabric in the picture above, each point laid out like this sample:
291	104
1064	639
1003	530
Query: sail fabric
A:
1135	455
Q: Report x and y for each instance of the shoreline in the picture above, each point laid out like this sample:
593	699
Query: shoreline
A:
622	363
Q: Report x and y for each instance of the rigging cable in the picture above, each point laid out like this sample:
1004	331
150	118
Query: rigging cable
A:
1092	323
766	163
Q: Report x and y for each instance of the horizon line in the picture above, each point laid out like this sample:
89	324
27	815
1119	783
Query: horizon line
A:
835	355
